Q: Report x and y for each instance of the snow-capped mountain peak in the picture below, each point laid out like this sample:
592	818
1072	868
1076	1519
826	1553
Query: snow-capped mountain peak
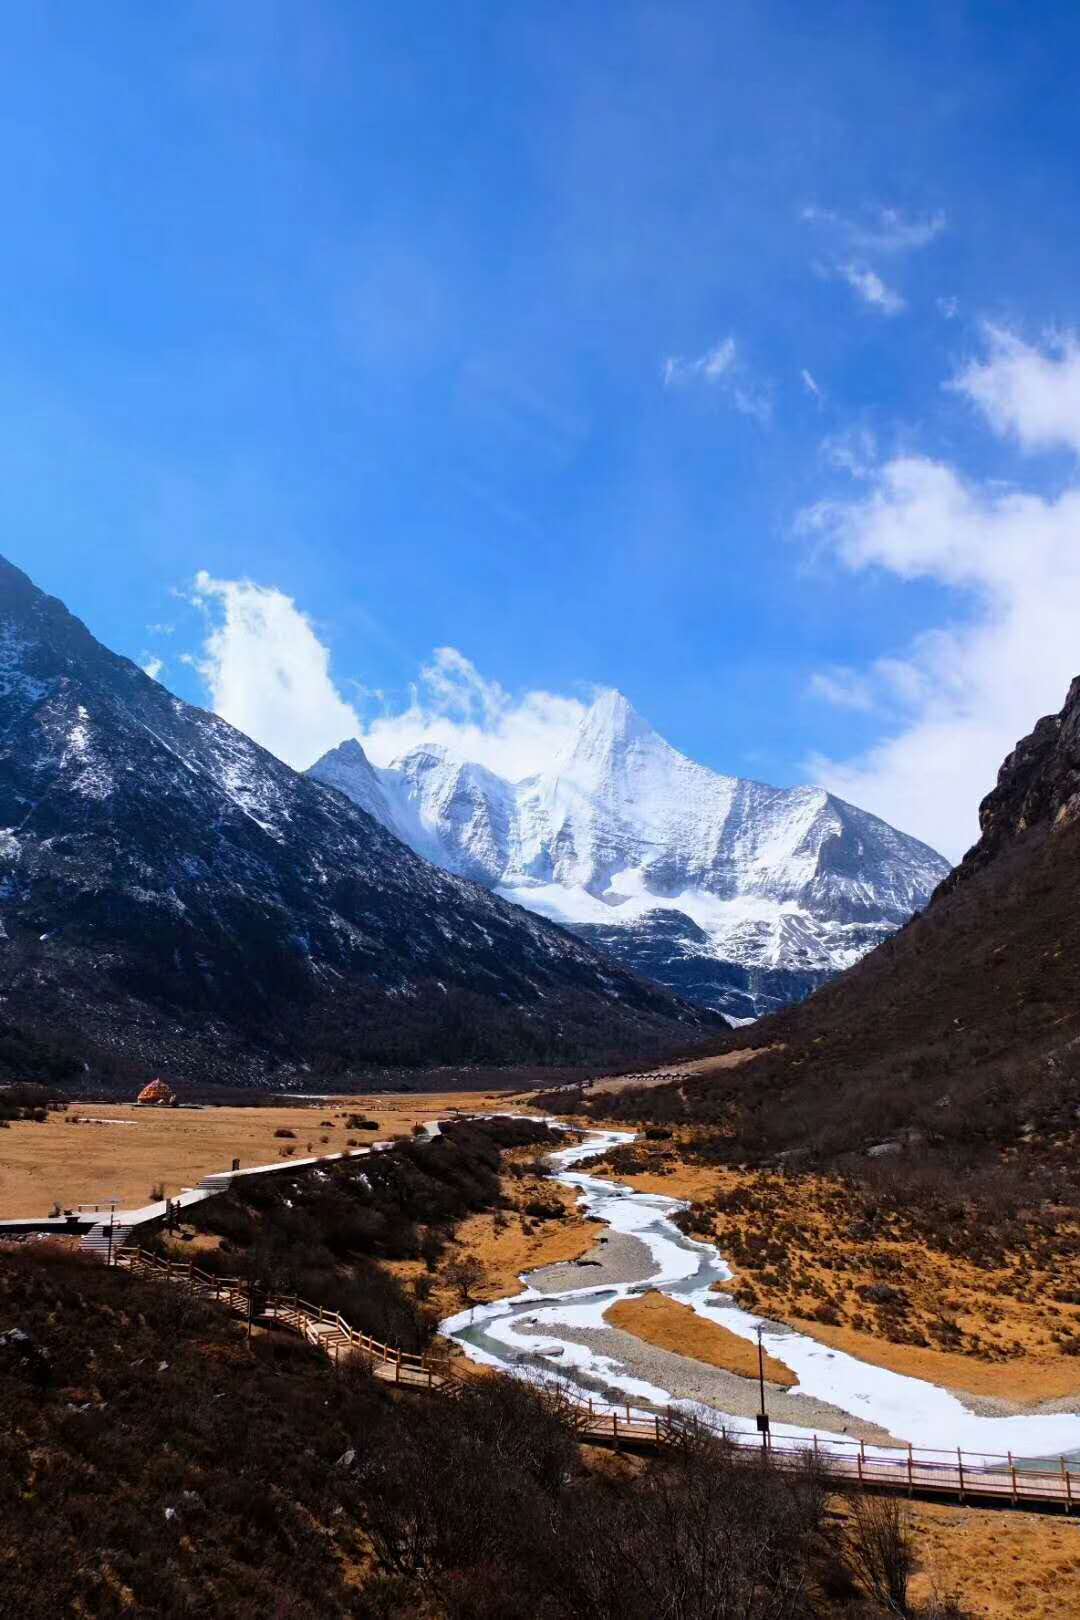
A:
757	893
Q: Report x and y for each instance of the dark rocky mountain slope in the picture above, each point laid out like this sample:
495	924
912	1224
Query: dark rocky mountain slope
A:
962	1031
173	897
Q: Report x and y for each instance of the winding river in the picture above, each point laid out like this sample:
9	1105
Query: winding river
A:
534	1332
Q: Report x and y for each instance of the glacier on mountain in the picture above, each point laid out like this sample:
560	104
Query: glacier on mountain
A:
738	895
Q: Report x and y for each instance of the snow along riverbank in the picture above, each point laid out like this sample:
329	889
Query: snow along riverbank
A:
522	1334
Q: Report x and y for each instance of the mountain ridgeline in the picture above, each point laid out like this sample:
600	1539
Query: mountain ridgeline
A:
174	897
739	896
961	1034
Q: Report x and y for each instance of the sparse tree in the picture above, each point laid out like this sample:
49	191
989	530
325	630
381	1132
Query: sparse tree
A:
465	1274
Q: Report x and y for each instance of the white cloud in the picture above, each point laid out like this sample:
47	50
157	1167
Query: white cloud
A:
809	382
948	308
152	666
963	693
268	673
720	365
870	288
1029	394
476	719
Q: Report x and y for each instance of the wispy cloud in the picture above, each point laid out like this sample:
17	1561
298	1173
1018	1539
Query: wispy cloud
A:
152	665
723	367
811	385
886	231
871	289
843	688
715	363
853	452
883	233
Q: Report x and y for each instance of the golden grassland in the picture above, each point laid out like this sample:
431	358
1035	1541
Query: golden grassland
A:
68	1164
669	1325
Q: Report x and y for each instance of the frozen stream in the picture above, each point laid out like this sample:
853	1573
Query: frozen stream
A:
913	1411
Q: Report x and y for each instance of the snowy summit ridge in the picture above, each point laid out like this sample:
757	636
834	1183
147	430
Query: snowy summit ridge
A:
740	895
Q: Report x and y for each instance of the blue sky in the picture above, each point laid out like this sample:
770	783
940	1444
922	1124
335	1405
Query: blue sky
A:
721	353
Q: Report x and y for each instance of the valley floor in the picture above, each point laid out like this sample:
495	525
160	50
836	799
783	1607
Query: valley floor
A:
132	1149
1002	1337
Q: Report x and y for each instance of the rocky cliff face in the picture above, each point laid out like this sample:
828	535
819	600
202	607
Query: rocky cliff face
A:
1038	785
173	897
744	896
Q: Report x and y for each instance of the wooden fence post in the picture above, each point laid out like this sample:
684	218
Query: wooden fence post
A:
909	1469
1012	1471
960	1467
1068	1488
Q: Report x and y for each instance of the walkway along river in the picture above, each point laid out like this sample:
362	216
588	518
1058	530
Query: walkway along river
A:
538	1332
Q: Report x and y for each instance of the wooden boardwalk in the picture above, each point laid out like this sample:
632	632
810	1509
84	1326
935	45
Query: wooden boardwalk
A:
913	1470
316	1323
955	1475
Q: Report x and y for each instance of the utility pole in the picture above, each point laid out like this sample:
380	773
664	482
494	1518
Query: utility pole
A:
763	1416
112	1203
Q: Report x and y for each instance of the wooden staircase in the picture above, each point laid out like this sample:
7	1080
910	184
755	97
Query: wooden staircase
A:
97	1240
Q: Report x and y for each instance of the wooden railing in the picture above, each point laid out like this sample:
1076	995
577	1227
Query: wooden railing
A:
317	1323
911	1469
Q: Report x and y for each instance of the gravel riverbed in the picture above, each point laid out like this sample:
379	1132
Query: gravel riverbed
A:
687	1379
615	1258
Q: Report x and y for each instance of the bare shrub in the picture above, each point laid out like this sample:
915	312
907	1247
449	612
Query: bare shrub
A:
881	1550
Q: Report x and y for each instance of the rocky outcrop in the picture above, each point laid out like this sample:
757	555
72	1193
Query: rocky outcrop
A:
1038	786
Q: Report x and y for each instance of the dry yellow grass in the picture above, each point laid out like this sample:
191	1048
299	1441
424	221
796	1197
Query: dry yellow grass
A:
176	1147
662	1321
1004	1565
